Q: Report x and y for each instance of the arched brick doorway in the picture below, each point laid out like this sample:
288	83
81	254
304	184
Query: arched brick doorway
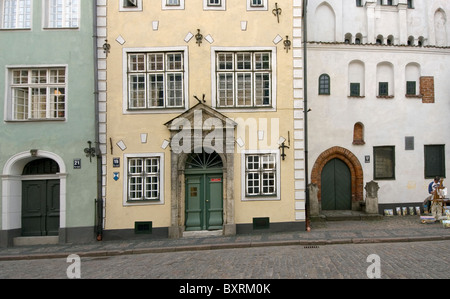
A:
353	164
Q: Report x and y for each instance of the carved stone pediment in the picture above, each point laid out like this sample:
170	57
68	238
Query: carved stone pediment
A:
202	117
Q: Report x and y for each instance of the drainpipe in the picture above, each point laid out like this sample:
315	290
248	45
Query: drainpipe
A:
99	201
305	110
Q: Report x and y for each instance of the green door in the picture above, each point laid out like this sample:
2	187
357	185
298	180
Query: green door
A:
204	202
336	191
40	208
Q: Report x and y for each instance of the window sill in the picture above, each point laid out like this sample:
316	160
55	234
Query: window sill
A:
61	28
412	96
36	120
385	97
356	97
142	202
261	198
15	29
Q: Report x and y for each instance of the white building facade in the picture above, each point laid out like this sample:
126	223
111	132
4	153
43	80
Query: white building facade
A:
379	100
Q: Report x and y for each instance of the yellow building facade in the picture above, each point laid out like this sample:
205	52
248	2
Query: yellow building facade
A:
204	122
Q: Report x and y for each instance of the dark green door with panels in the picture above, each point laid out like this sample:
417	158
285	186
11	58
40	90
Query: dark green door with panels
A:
40	208
204	192
336	186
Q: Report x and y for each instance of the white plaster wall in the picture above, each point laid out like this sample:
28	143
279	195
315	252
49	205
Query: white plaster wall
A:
386	121
373	19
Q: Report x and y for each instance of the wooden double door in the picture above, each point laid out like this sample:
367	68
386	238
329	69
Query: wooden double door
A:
40	207
336	191
204	201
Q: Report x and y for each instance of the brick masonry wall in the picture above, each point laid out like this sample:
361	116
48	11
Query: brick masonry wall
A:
427	89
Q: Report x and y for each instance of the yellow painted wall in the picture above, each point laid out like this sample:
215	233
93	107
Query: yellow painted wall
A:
225	28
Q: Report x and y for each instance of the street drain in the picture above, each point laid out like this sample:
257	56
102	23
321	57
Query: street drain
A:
311	246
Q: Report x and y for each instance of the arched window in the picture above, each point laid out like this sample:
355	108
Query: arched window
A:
356	77
348	38
358	134
385	80
324	84
379	40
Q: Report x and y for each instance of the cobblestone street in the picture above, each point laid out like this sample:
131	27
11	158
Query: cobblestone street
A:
397	261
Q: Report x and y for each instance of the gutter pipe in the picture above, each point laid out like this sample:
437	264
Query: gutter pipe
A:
306	110
99	200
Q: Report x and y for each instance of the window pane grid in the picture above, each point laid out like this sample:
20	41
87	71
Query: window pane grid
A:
16	14
244	79
38	94
261	175
63	13
143	178
155	80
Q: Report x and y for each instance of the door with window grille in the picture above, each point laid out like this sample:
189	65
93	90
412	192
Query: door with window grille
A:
336	186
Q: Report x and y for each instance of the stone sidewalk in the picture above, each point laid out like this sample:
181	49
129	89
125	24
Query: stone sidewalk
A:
383	229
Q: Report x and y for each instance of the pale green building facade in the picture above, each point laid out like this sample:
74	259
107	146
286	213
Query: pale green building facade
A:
48	105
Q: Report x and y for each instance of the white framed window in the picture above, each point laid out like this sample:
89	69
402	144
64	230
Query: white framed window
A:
172	4
244	78
155	80
62	13
257	5
214	4
130	5
37	93
15	14
260	175
144	179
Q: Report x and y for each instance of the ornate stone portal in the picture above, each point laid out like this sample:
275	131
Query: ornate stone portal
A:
199	129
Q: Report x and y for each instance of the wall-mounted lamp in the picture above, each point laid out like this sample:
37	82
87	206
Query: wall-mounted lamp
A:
199	37
287	44
106	47
90	151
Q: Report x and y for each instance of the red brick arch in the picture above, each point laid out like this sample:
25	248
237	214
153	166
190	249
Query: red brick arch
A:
353	164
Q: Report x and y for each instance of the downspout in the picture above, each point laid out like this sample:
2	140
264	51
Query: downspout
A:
305	110
99	201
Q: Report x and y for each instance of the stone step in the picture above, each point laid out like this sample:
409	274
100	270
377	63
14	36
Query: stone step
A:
41	240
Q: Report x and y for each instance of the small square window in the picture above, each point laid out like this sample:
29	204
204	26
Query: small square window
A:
411	88
355	90
214	4
257	5
172	4
130	5
383	88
